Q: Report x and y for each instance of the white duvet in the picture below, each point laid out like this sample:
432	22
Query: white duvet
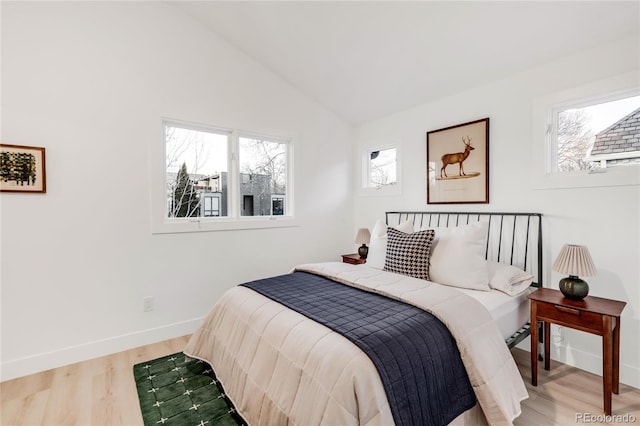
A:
280	368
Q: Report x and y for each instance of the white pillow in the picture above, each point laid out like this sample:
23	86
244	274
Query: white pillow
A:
508	278
458	257
378	242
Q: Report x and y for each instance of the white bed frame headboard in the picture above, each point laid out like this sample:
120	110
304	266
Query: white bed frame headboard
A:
513	238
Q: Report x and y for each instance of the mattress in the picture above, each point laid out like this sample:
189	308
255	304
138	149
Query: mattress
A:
509	312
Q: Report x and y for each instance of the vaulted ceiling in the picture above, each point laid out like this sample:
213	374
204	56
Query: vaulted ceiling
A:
367	59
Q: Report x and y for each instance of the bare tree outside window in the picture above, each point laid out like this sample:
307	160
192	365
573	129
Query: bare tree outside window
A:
575	139
196	165
382	168
185	201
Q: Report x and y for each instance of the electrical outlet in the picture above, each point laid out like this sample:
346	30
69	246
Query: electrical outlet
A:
147	304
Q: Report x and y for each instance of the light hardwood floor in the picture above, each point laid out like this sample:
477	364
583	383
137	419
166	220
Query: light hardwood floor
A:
102	392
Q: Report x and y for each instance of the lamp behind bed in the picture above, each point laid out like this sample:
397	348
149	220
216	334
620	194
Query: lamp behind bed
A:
363	237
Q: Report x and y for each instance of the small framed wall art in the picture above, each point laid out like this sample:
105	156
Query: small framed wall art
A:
458	164
22	169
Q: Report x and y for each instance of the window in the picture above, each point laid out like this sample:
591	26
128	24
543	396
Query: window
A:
381	168
216	178
196	167
596	133
263	167
211	205
277	205
586	136
380	163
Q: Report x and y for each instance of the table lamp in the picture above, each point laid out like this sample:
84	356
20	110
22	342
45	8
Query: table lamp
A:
362	237
576	261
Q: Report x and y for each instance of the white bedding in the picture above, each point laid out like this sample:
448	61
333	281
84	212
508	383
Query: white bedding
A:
509	312
280	367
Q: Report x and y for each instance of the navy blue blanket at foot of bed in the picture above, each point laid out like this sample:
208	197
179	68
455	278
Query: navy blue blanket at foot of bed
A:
416	356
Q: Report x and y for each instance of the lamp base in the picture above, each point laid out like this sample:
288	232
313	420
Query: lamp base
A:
363	251
574	288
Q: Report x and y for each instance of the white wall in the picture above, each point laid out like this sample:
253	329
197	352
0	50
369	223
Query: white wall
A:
90	81
606	219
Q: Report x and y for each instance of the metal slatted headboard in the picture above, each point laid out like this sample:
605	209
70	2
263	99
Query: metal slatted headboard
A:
513	238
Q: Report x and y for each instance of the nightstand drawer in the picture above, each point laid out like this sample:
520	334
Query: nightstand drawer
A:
587	321
353	259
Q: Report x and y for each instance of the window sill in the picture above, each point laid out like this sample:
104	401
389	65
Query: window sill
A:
176	226
383	191
614	176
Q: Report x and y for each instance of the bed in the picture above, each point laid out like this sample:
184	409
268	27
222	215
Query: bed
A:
281	365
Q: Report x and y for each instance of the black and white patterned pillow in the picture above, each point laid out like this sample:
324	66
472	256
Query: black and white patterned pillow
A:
409	254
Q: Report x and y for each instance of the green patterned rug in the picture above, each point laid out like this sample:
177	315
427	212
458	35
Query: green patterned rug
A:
175	390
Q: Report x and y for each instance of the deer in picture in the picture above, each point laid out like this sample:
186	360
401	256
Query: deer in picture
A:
457	157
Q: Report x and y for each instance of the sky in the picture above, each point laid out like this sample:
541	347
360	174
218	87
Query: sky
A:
207	150
205	153
604	115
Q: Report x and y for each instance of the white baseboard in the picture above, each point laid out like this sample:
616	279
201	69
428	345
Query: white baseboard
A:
629	374
44	361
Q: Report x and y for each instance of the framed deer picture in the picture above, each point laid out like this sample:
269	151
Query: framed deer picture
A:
458	164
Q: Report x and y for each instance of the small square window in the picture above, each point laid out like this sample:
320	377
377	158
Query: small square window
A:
381	168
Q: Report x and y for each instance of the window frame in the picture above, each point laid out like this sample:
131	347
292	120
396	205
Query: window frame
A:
289	184
544	146
162	224
365	174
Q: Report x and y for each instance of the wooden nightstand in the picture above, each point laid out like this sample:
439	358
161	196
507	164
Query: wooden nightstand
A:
353	259
592	314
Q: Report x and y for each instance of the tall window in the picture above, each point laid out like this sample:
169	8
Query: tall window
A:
381	168
595	133
263	171
214	173
196	171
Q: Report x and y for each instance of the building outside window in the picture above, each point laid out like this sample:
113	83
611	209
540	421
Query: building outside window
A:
263	167
618	144
199	177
